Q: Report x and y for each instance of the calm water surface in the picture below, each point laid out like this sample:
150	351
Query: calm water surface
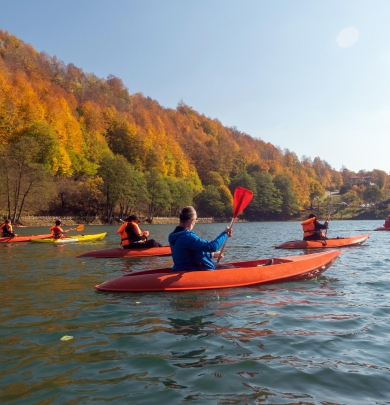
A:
323	341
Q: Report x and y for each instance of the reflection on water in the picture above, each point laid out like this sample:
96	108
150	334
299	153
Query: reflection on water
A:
321	341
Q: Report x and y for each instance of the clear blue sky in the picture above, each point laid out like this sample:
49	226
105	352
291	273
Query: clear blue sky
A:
309	76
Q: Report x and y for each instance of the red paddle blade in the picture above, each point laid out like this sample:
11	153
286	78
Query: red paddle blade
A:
241	199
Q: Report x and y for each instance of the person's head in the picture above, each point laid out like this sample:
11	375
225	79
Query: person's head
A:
188	217
7	221
132	218
311	216
58	222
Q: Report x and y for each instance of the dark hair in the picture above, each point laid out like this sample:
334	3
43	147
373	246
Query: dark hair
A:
311	216
58	222
187	213
132	218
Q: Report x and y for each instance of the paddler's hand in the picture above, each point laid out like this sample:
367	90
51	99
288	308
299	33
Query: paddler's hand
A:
217	255
327	224
229	231
145	233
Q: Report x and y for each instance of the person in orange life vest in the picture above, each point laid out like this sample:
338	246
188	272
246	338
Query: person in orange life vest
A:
57	231
312	229
6	229
132	237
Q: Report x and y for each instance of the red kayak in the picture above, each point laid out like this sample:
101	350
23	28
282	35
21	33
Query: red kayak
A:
244	274
327	243
120	252
10	239
382	228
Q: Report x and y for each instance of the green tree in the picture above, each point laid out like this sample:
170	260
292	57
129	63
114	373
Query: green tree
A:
48	144
267	199
213	179
182	193
115	171
289	204
209	204
316	191
134	193
372	194
160	194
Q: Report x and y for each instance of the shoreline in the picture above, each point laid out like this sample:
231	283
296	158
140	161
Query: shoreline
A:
36	221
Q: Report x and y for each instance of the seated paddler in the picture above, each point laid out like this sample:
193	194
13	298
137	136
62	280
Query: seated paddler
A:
132	237
6	229
312	228
56	230
189	251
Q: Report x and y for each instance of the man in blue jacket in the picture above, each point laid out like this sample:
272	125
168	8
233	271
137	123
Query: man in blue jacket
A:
189	252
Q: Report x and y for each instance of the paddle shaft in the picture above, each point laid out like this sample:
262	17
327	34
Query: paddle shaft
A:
224	243
330	211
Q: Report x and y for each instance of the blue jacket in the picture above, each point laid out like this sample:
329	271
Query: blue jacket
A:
189	252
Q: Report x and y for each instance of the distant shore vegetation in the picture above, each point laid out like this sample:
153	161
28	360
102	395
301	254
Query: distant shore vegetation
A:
72	143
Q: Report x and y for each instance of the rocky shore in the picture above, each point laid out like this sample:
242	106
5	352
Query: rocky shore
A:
31	220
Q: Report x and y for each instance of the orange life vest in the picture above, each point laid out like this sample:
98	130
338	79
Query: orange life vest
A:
56	231
308	227
6	228
125	240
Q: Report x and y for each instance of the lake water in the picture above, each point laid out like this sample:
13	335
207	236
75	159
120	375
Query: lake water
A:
322	341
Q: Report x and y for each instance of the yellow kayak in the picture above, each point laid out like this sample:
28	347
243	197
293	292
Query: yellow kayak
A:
70	239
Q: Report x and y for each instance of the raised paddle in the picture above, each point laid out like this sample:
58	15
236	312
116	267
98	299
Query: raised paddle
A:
241	199
330	211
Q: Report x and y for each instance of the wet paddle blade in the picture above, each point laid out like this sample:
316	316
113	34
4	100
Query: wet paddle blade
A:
242	197
330	209
80	228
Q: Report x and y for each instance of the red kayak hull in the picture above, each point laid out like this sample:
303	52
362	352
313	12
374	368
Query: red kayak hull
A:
23	238
245	274
120	252
322	244
382	228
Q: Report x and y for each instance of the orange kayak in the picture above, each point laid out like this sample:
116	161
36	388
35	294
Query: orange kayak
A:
120	252
244	274
328	243
9	239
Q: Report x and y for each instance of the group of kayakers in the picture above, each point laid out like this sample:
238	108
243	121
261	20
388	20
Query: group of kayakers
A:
189	251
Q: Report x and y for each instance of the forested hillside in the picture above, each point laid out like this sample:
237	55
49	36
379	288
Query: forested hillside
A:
74	143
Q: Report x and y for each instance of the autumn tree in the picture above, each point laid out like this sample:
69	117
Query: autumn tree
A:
23	178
